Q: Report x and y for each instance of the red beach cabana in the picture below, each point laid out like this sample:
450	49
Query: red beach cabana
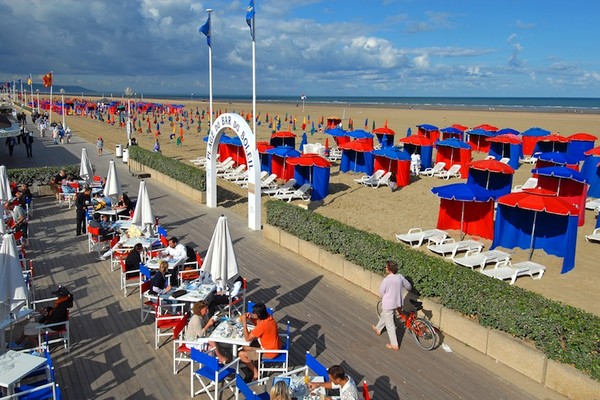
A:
454	151
432	132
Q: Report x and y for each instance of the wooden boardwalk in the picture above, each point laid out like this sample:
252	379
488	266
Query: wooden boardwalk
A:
113	355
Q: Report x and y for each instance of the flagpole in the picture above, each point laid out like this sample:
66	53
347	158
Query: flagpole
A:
253	76
210	89
50	122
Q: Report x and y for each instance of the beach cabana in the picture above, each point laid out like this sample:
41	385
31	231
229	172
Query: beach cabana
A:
492	175
339	135
507	146
508	131
579	143
451	132
567	183
232	147
430	131
422	145
530	138
477	138
394	160
313	169
454	151
278	161
265	158
537	219
552	143
385	135
357	157
333	122
591	171
467	208
283	138
556	159
362	136
487	127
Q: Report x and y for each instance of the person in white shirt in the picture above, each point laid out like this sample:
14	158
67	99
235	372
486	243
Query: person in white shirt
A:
223	294
338	380
415	163
175	251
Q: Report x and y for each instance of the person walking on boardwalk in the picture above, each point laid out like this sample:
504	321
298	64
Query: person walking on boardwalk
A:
392	293
82	201
100	145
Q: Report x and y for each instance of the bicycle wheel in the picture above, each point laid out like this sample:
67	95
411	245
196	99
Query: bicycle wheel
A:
379	309
423	333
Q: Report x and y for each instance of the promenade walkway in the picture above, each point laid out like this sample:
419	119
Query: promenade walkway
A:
113	355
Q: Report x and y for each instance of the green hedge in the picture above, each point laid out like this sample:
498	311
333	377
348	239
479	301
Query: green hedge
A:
564	333
190	175
40	175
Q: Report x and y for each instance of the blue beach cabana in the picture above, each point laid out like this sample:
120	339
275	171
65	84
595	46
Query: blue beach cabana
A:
507	146
357	157
385	135
283	138
278	161
313	169
536	219
432	132
552	159
339	135
591	171
394	160
492	175
451	132
579	143
530	138
422	145
477	138
553	143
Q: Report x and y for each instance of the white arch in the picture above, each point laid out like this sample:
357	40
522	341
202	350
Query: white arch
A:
241	128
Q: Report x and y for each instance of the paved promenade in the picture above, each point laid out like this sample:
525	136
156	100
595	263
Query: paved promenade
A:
113	355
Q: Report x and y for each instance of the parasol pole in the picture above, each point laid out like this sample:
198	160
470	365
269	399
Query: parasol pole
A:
532	235
355	159
559	184
462	220
487	183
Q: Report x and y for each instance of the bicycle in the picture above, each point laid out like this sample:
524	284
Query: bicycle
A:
421	330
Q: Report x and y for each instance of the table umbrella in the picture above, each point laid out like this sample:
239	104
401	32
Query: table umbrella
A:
112	188
303	142
13	289
143	215
220	258
5	192
86	170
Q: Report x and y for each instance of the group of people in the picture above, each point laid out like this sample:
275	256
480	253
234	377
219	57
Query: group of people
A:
16	207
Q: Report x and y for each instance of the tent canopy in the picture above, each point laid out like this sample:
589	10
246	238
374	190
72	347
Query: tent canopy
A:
313	169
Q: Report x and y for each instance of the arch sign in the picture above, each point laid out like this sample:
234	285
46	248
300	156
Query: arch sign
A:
241	128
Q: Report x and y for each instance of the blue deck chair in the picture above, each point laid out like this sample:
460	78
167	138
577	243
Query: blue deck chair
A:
250	307
318	368
216	374
247	392
276	364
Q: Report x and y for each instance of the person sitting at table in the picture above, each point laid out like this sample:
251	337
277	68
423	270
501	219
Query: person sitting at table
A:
265	333
223	295
159	284
57	182
338	380
19	218
58	312
280	391
125	201
175	251
134	258
198	326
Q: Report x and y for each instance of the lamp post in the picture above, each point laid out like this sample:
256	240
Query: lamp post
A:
62	96
192	97
37	92
128	92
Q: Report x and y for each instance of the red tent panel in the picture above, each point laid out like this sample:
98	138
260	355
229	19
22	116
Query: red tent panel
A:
478	217
400	169
572	191
452	155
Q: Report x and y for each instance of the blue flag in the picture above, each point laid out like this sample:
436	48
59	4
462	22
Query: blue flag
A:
250	18
206	30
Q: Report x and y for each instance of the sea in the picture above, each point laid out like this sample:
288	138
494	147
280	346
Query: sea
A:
540	104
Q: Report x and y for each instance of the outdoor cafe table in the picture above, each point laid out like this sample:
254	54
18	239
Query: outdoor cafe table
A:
14	366
230	331
112	212
296	382
154	263
121	225
196	291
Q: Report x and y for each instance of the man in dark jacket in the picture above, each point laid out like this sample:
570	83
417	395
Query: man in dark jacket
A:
82	201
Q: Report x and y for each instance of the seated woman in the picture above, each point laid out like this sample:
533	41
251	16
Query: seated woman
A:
126	202
160	284
199	324
59	312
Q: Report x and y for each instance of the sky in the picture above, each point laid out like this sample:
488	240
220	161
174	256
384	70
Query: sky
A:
509	48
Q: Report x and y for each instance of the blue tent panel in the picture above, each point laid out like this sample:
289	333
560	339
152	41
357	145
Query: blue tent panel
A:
497	184
426	153
555	234
318	177
357	161
576	148
591	171
513	151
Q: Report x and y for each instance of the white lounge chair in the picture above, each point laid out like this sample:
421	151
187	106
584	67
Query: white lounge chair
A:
370	178
418	236
431	171
226	169
594	237
453	172
384	180
238	172
592	204
450	246
505	160
299	194
507	270
335	154
532	159
530	183
476	258
243	182
286	187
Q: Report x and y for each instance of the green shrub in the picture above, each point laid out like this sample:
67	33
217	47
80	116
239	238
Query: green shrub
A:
40	175
564	333
192	176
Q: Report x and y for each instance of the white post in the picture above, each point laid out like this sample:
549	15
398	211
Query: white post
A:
37	91
253	76
62	95
50	121
210	90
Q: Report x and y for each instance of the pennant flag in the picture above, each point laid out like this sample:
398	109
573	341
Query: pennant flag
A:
250	18
367	123
350	124
304	123
206	30
47	79
372	129
312	129
29	80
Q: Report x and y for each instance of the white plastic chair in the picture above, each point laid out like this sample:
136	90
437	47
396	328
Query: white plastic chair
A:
453	172
286	187
370	178
434	170
384	180
452	247
418	235
594	237
300	194
530	183
506	270
476	258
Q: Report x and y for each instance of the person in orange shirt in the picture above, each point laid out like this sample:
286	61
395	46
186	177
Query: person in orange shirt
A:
265	332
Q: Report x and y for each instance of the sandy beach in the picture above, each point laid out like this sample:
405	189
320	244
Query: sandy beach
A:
382	211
